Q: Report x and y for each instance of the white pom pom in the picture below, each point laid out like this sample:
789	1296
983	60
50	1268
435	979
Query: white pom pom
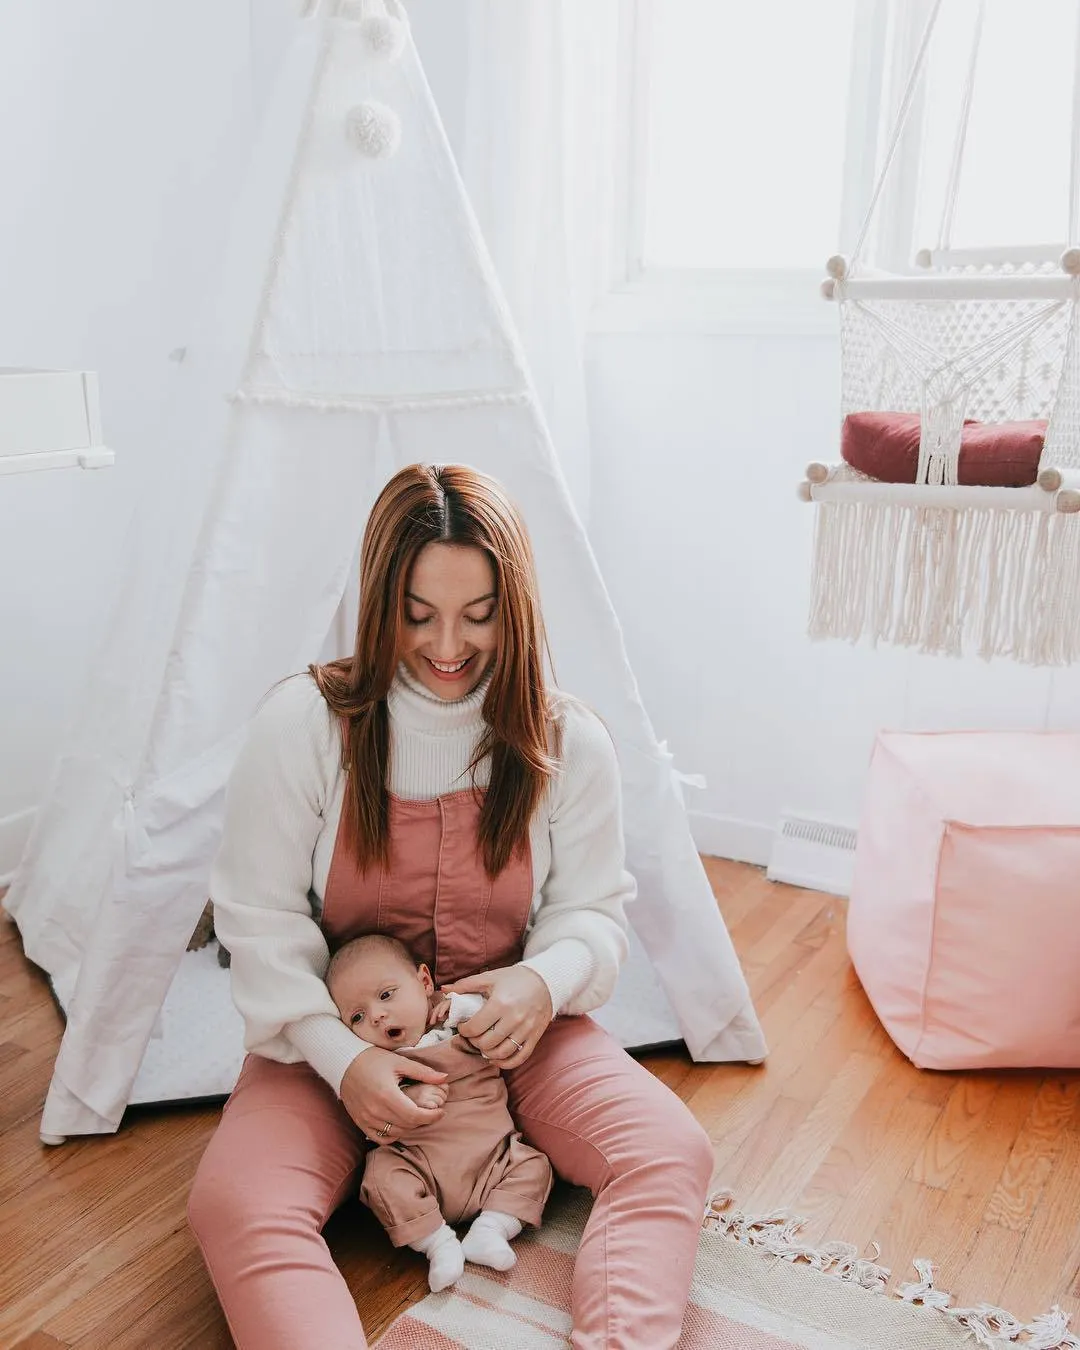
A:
1070	261
384	35
924	258
837	266
828	288
374	129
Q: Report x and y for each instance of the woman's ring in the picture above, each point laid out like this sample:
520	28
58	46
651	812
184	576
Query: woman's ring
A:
385	1130
517	1043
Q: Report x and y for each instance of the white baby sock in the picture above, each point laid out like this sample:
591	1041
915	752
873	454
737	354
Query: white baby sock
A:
446	1260
487	1243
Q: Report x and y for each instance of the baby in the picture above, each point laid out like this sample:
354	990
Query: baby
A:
472	1163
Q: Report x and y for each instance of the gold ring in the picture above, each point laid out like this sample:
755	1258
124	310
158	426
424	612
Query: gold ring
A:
517	1043
385	1130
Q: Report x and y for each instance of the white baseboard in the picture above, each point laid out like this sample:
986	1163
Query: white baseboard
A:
14	832
725	837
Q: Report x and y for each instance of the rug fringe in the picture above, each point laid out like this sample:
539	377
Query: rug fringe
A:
776	1234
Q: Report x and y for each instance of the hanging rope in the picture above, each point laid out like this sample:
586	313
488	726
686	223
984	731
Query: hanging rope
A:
952	187
1074	165
903	112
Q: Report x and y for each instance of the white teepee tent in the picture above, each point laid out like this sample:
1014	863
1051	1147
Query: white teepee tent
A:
360	328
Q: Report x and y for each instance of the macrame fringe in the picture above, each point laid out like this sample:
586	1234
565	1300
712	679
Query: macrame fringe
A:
776	1234
946	580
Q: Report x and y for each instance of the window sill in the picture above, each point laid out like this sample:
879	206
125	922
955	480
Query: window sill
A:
750	304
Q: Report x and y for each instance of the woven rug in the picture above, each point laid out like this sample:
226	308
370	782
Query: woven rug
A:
746	1295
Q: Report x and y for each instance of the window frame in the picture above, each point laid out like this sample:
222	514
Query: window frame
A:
773	300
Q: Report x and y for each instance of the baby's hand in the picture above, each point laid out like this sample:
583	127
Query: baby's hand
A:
438	1009
431	1096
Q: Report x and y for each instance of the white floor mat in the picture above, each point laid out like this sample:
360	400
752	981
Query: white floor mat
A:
198	1043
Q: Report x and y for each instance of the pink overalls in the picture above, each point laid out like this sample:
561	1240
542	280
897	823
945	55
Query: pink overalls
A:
286	1153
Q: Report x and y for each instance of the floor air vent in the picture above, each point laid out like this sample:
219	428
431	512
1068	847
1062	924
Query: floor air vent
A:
815	854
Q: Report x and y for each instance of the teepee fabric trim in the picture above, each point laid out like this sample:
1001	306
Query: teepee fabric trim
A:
287	398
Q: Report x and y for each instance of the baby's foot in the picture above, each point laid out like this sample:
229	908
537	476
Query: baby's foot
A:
446	1260
487	1241
446	1265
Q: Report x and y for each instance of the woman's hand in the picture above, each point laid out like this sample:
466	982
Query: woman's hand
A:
371	1093
516	1013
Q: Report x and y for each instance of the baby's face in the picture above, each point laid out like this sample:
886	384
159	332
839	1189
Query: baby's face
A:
384	1000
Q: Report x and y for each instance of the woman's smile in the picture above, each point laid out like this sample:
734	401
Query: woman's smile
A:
451	670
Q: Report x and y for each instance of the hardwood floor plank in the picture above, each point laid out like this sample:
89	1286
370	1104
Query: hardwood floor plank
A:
989	1266
118	1295
1050	1250
158	1314
65	1225
957	1128
825	925
814	976
852	1190
950	1239
1032	1156
751	1168
784	1176
733	1101
800	914
900	1232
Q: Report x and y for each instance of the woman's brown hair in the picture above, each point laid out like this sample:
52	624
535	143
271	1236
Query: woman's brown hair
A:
450	504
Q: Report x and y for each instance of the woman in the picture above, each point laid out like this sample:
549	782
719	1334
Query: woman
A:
432	787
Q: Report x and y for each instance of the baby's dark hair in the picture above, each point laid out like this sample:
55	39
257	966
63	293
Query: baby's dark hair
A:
358	945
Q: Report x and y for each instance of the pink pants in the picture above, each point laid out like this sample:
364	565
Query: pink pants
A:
286	1154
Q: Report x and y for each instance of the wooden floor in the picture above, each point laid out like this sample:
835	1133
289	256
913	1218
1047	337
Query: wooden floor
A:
980	1172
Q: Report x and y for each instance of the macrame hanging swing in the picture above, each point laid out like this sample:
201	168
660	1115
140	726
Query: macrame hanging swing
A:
986	335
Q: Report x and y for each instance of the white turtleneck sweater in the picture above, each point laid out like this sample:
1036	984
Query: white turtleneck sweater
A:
282	811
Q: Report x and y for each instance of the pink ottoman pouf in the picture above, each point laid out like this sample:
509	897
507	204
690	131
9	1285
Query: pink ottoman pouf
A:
964	924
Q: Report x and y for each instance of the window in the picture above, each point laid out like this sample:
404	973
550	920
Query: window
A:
754	130
740	162
1013	188
745	132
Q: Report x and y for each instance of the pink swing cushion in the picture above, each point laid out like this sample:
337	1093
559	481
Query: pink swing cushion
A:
964	922
885	446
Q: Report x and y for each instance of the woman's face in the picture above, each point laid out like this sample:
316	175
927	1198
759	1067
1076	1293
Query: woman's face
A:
450	619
